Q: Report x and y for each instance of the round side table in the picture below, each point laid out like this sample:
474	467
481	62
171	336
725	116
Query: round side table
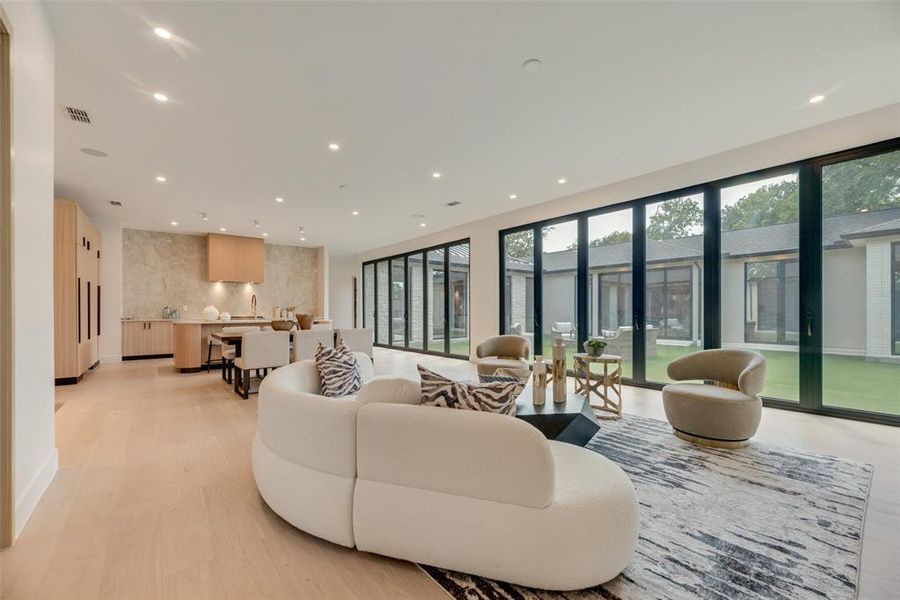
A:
606	385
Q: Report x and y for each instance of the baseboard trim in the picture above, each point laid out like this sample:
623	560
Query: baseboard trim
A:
28	500
147	356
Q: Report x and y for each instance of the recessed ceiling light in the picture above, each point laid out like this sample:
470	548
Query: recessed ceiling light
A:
265	235
163	33
255	223
816	99
303	239
160	97
512	196
561	180
174	223
532	64
204	217
161	178
279	199
355	213
333	147
436	175
422	224
222	229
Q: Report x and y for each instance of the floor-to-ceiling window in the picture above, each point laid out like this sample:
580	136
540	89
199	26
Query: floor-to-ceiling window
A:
459	299
860	228
673	309
420	300
415	278
382	291
559	270
760	311
895	301
610	285
799	262
369	296
398	303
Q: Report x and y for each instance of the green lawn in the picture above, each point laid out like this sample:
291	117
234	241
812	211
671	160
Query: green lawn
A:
848	381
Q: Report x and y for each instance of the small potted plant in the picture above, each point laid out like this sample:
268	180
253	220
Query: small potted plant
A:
594	347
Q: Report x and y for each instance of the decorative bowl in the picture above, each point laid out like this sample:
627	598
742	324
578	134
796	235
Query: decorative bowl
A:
282	325
304	321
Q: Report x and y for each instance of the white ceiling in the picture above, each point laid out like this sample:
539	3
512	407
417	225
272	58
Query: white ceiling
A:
258	90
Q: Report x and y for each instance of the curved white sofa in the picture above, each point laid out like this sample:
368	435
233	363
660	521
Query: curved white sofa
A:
470	491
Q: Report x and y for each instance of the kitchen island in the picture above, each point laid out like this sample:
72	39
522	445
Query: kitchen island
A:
191	339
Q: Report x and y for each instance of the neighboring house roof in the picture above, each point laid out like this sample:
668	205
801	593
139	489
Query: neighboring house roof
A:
738	243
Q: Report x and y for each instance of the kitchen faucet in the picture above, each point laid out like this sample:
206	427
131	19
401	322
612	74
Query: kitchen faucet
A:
253	304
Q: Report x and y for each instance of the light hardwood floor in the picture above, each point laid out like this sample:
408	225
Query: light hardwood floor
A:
155	497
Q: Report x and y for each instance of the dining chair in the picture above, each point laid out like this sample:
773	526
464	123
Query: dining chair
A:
260	351
307	341
228	350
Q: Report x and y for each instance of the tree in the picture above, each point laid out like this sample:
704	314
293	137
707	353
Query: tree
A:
769	205
676	218
866	184
521	243
616	237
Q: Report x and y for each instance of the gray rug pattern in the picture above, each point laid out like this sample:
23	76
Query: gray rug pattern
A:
762	522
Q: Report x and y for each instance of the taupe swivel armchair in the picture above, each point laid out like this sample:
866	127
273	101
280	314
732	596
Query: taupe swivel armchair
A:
502	352
724	414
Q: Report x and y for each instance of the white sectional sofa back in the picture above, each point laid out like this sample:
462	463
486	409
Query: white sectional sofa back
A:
304	453
468	453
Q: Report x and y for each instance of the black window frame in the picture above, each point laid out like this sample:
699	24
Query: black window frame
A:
781	315
426	314
809	252
895	300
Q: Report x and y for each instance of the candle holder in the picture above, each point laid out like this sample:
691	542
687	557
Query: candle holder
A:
539	393
559	370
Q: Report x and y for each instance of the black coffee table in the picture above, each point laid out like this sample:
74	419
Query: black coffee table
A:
572	421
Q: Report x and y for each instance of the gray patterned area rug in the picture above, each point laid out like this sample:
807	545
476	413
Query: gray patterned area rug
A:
761	522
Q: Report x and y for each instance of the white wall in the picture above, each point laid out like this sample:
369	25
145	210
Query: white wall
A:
340	290
111	280
33	114
872	126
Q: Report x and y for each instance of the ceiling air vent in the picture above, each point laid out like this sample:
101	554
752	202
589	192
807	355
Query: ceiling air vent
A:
454	203
115	203
78	114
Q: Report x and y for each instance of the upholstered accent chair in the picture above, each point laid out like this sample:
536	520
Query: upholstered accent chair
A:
260	351
724	413
502	352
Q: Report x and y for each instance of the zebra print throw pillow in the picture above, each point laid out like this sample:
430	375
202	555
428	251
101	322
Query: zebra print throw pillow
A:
497	397
338	371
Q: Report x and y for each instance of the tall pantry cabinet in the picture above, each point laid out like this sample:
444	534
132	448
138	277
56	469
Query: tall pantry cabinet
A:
76	292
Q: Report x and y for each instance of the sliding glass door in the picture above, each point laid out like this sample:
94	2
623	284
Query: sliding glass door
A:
799	262
559	276
760	236
673	309
610	283
860	237
420	301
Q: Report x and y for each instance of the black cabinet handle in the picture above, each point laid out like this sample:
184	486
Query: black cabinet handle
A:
89	309
98	311
79	310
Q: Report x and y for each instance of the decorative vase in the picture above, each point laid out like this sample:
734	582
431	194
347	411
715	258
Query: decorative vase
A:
225	316
304	321
210	313
539	393
559	370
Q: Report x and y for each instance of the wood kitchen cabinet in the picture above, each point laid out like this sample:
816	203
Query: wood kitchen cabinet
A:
76	292
146	339
235	258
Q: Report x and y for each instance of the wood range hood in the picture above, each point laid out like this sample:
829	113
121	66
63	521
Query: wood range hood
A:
235	258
